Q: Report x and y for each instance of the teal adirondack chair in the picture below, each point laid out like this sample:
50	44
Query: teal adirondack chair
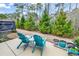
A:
23	39
39	43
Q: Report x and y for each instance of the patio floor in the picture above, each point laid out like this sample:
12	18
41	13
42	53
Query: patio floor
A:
8	48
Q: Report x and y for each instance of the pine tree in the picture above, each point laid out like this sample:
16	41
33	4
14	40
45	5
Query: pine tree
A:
22	22
61	26
44	24
30	23
17	23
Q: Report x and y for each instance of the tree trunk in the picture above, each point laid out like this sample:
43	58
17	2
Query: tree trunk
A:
62	6
69	7
76	5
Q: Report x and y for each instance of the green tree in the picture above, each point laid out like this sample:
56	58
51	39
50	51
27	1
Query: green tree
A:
44	24
17	23
22	22
47	7
62	26
3	16
30	24
19	7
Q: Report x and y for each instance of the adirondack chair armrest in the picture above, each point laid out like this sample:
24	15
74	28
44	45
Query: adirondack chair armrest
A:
29	37
43	38
44	42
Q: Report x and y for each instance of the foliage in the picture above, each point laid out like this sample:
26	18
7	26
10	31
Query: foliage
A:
30	24
61	26
22	22
76	41
17	23
19	7
44	24
33	14
3	16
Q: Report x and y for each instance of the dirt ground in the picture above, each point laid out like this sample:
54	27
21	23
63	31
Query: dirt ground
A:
12	35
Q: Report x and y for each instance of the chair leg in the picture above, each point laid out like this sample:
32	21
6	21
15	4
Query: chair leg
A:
33	49
26	45
19	45
41	51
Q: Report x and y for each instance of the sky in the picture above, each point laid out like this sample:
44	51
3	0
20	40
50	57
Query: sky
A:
10	8
7	8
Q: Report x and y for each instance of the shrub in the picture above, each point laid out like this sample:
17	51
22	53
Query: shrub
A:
76	41
61	26
30	24
3	16
22	22
44	24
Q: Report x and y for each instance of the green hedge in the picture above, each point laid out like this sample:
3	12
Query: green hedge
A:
61	26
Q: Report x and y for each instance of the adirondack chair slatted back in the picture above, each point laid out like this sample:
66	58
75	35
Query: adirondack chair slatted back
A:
38	40
23	38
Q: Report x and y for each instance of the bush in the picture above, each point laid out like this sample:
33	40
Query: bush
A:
30	24
3	16
76	41
22	22
44	24
61	26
